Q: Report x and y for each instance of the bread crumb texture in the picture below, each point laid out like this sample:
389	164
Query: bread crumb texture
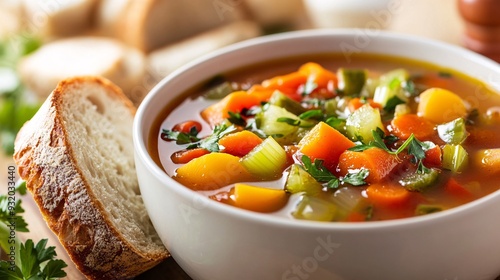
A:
76	156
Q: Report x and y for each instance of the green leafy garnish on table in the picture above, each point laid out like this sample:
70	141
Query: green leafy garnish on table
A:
15	110
24	260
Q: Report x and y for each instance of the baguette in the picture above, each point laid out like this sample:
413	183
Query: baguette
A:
151	24
77	158
163	61
82	56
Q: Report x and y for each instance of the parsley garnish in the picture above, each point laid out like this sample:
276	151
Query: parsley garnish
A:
415	147
309	86
319	172
32	261
37	262
236	119
181	138
211	143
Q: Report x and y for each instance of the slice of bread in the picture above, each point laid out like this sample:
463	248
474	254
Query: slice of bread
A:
77	158
151	24
82	56
163	61
53	19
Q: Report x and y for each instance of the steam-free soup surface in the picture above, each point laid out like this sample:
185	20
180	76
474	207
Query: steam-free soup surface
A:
328	138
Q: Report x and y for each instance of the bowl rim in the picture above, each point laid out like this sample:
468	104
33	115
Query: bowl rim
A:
142	154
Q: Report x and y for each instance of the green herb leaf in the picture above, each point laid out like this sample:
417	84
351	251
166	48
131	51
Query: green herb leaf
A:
309	86
211	143
356	177
311	114
236	119
319	172
181	138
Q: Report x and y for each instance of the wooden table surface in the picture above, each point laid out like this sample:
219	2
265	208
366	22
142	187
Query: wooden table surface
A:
432	19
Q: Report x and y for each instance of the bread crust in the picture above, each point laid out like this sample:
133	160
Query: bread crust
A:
46	161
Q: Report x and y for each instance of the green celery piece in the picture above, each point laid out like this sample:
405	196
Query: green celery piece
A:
391	86
270	126
361	123
348	200
315	209
299	180
453	132
419	182
281	100
267	160
424	209
219	91
455	157
352	81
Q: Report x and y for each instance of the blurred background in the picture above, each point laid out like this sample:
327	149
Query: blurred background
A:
135	43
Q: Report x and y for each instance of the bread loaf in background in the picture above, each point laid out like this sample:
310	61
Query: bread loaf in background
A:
76	56
163	61
54	19
151	24
77	158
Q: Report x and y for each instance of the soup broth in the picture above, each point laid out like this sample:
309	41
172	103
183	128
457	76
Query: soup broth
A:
320	138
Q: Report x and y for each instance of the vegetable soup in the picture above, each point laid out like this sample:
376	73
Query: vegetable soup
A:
319	138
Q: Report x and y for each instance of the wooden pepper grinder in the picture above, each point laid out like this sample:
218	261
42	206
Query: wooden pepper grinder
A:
482	26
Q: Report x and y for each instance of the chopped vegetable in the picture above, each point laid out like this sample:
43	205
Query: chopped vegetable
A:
390	91
212	171
424	209
351	81
361	123
314	146
405	125
267	160
453	132
419	182
376	160
440	105
348	200
234	102
258	199
488	160
281	100
456	190
299	180
387	194
455	157
185	156
315	209
270	125
239	143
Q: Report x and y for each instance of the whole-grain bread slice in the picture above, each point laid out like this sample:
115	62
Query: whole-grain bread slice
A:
77	158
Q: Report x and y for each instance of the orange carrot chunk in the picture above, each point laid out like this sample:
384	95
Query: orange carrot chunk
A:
456	190
357	102
379	162
325	143
212	171
185	156
433	157
258	199
387	195
404	125
234	102
322	77
240	143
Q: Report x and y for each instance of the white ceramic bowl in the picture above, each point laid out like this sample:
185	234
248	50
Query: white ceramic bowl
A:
213	241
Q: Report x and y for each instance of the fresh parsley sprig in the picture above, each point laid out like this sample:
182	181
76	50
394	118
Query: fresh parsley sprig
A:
180	137
33	262
415	147
319	172
37	263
